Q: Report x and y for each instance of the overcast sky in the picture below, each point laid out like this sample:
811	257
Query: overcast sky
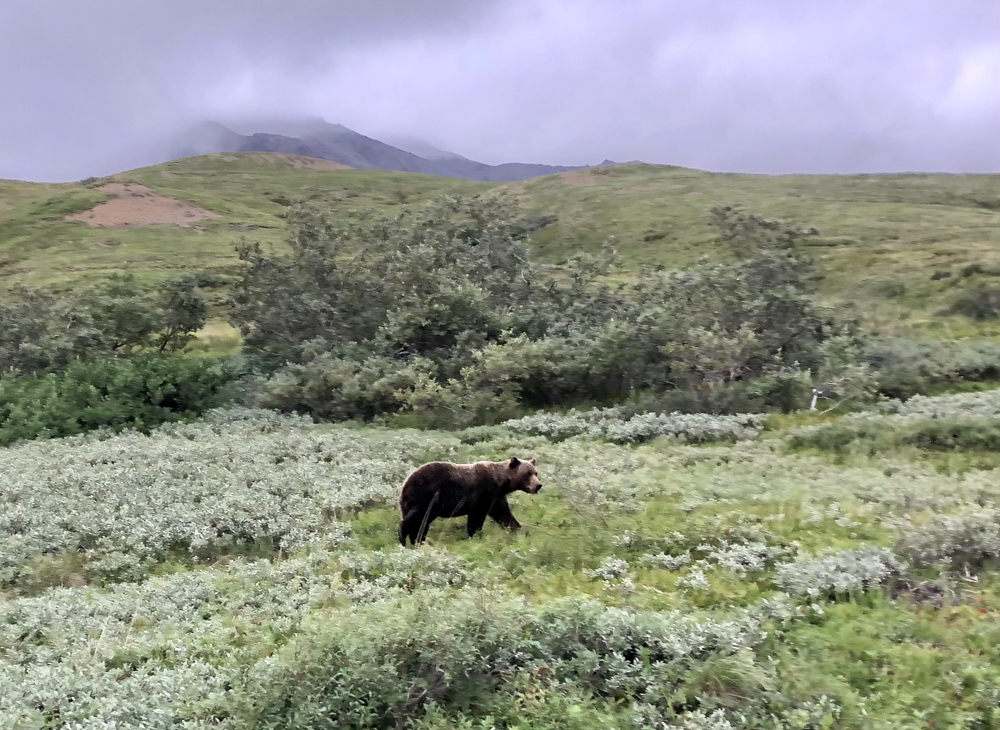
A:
89	88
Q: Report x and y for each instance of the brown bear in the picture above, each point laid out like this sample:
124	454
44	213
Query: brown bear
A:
443	489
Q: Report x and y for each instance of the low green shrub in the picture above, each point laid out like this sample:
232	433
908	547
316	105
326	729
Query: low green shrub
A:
138	393
981	434
955	422
842	435
980	304
873	434
449	661
963	542
905	368
608	424
834	574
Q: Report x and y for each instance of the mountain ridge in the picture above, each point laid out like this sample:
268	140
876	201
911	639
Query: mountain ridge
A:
336	143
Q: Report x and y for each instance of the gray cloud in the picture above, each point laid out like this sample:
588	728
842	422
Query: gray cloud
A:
751	86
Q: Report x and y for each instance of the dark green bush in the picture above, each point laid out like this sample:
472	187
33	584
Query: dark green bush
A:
970	434
839	437
959	434
973	269
980	304
139	393
118	316
904	368
889	288
441	312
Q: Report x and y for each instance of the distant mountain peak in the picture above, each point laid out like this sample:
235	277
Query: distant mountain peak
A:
422	148
316	137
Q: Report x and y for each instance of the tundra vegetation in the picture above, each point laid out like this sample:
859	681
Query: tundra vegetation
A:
210	542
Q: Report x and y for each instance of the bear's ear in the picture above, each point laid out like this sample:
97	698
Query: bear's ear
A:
531	461
514	462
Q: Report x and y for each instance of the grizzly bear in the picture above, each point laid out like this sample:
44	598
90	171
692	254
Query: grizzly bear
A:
443	489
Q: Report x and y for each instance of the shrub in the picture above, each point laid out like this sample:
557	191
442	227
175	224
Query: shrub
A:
474	656
981	304
240	480
982	404
451	289
955	435
834	574
842	435
39	330
608	425
905	368
962	542
110	394
888	288
959	422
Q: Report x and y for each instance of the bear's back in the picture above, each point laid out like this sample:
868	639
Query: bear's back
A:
448	484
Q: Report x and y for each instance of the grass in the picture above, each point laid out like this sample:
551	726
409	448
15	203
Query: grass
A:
882	237
216	338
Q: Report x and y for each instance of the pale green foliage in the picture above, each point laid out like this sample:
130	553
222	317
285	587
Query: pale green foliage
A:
240	479
719	475
667	562
610	425
962	421
175	649
741	559
471	649
839	573
701	720
985	404
694	580
965	541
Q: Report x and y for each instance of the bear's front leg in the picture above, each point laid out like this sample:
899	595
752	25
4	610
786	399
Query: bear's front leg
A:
501	514
475	523
409	527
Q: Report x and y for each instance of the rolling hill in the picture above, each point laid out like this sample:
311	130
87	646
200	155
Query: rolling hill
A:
898	245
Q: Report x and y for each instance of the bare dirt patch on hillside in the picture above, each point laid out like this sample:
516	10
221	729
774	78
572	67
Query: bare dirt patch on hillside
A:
136	205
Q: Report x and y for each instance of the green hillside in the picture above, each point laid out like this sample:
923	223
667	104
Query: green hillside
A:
882	237
248	192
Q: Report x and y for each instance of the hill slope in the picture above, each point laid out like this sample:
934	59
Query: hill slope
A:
882	236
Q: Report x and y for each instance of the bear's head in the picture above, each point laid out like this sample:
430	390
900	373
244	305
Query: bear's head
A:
525	476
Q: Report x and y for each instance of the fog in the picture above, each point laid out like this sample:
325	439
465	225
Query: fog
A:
751	86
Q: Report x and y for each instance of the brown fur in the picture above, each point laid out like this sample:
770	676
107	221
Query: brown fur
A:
476	491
